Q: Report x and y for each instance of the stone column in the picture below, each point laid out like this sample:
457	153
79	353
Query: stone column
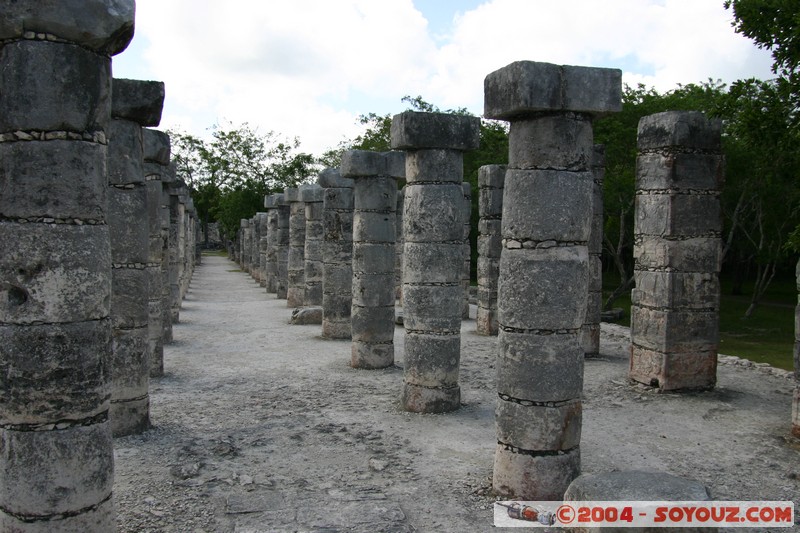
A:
282	249
297	248
590	331
465	271
134	104
312	195
544	268
271	253
176	243
433	254
243	223
677	251
262	249
337	254
398	246
490	209
156	161
168	180
375	200
56	465
796	397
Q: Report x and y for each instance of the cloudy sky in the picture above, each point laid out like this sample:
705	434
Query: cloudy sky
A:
308	68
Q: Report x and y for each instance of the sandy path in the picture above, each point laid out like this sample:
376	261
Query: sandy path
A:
261	426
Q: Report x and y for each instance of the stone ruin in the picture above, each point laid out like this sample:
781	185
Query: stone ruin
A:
91	202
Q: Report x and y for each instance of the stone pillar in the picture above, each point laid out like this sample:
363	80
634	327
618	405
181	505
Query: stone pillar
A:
490	209
375	200
271	252
590	331
398	246
167	182
297	248
156	161
433	254
261	276
243	223
677	250
134	104
465	271
57	462
176	243
282	248
544	268
796	397
312	195
337	254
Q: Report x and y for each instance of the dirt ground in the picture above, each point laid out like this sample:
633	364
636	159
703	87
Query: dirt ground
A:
259	426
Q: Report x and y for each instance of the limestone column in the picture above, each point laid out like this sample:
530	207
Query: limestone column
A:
375	200
271	252
297	247
263	239
312	195
490	209
167	182
56	465
398	246
134	104
243	223
677	250
156	161
337	254
796	397
282	248
590	331
544	268
465	272
176	243
433	255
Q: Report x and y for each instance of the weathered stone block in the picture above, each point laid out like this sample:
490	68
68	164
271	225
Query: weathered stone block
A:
432	213
555	142
365	163
310	193
419	399
432	308
291	194
489	226
491	176
101	518
677	215
687	129
490	246
676	290
105	26
331	177
674	331
432	360
53	87
375	193
538	427
549	289
127	220
338	198
306	316
431	262
488	269
375	258
125	153
137	100
129	295
337	226
76	460
371	356
373	290
373	324
374	227
486	321
130	417
534	477
54	273
434	165
525	87
129	364
52	372
156	145
549	205
490	202
542	368
58	179
414	130
680	172
697	254
696	370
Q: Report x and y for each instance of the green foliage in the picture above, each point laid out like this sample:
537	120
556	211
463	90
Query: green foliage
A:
230	174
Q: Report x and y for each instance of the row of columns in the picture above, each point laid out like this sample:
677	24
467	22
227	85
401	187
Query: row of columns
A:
87	202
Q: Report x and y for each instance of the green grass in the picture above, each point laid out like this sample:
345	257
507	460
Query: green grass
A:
766	337
220	253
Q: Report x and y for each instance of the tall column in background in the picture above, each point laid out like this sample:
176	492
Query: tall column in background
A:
282	248
176	247
57	462
398	246
337	254
297	248
466	267
490	208
271	252
156	164
134	104
168	180
433	254
375	194
590	331
544	268
312	195
677	251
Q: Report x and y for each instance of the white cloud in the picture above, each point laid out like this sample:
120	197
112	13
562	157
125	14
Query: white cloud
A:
301	68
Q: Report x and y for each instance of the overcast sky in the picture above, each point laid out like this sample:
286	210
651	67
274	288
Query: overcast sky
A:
308	68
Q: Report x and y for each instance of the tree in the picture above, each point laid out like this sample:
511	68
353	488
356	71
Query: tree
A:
230	173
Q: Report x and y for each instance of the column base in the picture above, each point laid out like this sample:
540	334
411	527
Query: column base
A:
419	399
